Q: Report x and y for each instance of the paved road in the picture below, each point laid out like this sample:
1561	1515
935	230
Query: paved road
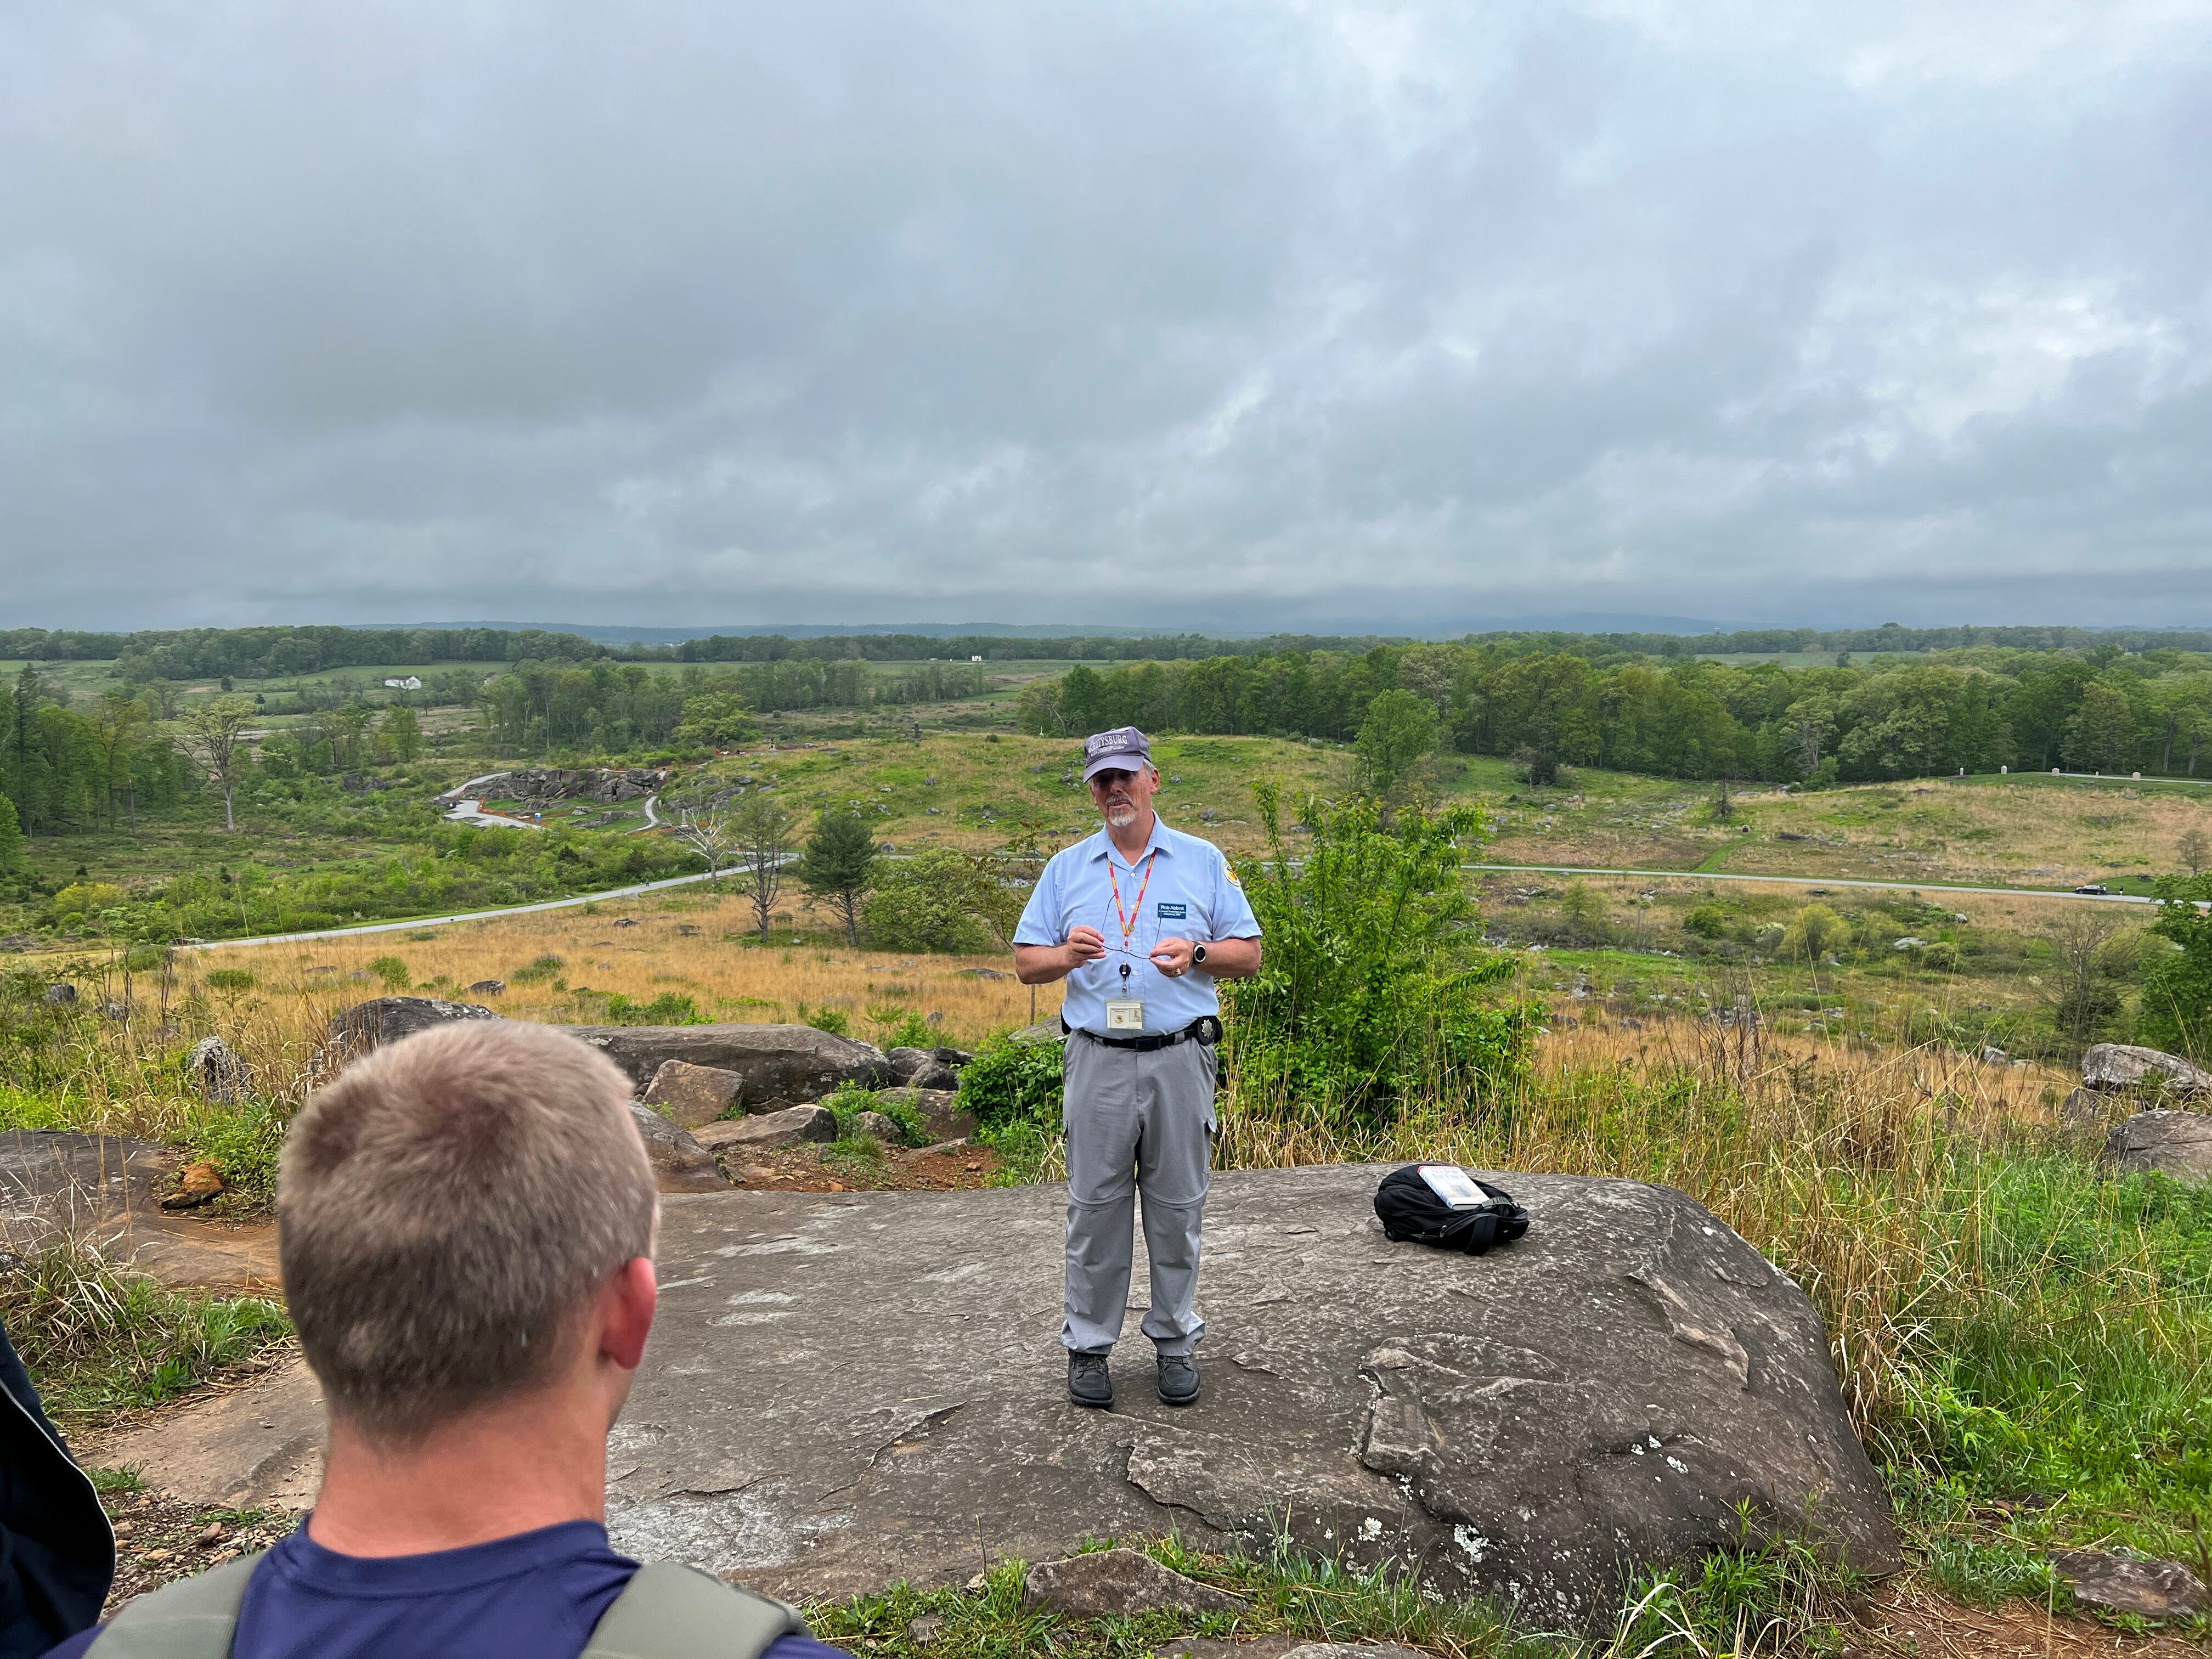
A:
443	922
1817	881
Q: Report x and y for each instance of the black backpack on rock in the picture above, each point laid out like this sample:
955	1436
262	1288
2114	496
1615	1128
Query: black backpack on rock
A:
1408	1208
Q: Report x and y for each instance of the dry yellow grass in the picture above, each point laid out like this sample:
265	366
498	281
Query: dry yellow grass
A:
701	946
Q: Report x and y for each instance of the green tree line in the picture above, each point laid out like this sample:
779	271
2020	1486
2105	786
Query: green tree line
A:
1975	709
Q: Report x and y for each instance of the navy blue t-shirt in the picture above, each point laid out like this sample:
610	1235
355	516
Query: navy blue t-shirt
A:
536	1595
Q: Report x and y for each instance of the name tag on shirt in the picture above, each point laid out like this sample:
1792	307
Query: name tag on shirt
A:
1173	912
1125	1014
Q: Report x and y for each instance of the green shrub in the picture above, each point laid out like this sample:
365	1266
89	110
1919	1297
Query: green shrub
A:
901	1028
1706	921
669	1008
2177	994
392	970
1942	957
539	969
230	979
1369	1001
832	1020
1009	1084
243	1143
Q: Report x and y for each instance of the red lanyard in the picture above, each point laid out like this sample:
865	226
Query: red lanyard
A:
1130	918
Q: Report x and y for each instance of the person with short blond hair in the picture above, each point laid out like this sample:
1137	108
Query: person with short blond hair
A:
465	1224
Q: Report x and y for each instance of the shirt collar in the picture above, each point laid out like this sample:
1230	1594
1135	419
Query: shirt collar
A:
1156	842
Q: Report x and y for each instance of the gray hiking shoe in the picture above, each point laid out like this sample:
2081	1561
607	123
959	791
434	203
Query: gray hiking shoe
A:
1178	1379
1087	1382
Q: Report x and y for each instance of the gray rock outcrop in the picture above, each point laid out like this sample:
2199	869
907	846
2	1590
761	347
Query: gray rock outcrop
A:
689	1095
354	1031
922	1068
1106	1584
2124	1066
2178	1143
794	1126
938	1109
777	1064
680	1164
1528	1425
216	1072
846	1389
64	1179
2149	1589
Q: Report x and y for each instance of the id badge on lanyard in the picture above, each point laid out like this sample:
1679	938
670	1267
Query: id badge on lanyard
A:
1126	1013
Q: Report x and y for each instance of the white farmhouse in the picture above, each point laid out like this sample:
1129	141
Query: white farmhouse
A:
409	682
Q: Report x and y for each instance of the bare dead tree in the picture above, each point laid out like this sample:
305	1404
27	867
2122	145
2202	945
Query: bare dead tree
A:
708	833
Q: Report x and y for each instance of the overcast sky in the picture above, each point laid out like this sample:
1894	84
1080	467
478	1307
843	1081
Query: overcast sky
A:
1231	314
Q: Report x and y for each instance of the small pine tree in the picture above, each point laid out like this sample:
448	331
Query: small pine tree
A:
839	867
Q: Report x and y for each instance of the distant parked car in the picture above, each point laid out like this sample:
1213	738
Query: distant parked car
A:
2095	887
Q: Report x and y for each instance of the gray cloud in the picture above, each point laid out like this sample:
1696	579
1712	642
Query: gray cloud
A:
1247	315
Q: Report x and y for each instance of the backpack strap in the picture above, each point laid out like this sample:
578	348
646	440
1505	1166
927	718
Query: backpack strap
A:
191	1619
669	1611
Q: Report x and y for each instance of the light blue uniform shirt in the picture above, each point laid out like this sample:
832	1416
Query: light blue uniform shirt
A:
1190	894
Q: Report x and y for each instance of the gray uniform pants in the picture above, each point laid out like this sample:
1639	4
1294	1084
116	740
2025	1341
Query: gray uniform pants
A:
1135	1121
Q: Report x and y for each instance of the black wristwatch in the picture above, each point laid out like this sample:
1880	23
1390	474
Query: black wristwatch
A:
1197	956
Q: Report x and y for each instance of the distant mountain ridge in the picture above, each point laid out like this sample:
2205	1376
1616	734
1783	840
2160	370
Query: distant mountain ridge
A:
642	634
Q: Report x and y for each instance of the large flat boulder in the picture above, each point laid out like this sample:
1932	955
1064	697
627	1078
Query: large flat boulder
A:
2178	1143
2125	1066
778	1065
849	1390
846	1389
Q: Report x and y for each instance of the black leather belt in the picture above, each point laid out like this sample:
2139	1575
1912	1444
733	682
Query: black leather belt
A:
1205	1028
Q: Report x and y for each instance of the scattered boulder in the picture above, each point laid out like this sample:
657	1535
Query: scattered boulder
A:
777	1064
680	1164
60	995
922	1069
885	1129
488	988
215	1071
2178	1143
788	1128
1993	1056
1108	1584
1349	1651
2149	1589
2124	1066
983	973
354	1031
1033	1037
200	1183
689	1095
941	1118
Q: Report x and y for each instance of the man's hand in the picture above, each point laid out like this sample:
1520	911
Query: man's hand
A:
1041	965
1172	956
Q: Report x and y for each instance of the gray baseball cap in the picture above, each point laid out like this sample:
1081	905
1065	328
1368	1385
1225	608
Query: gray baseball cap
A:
1122	750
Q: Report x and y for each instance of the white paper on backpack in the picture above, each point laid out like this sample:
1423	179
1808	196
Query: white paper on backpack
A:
1453	1185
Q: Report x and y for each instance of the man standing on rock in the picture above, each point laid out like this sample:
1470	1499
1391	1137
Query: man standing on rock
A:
1141	920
